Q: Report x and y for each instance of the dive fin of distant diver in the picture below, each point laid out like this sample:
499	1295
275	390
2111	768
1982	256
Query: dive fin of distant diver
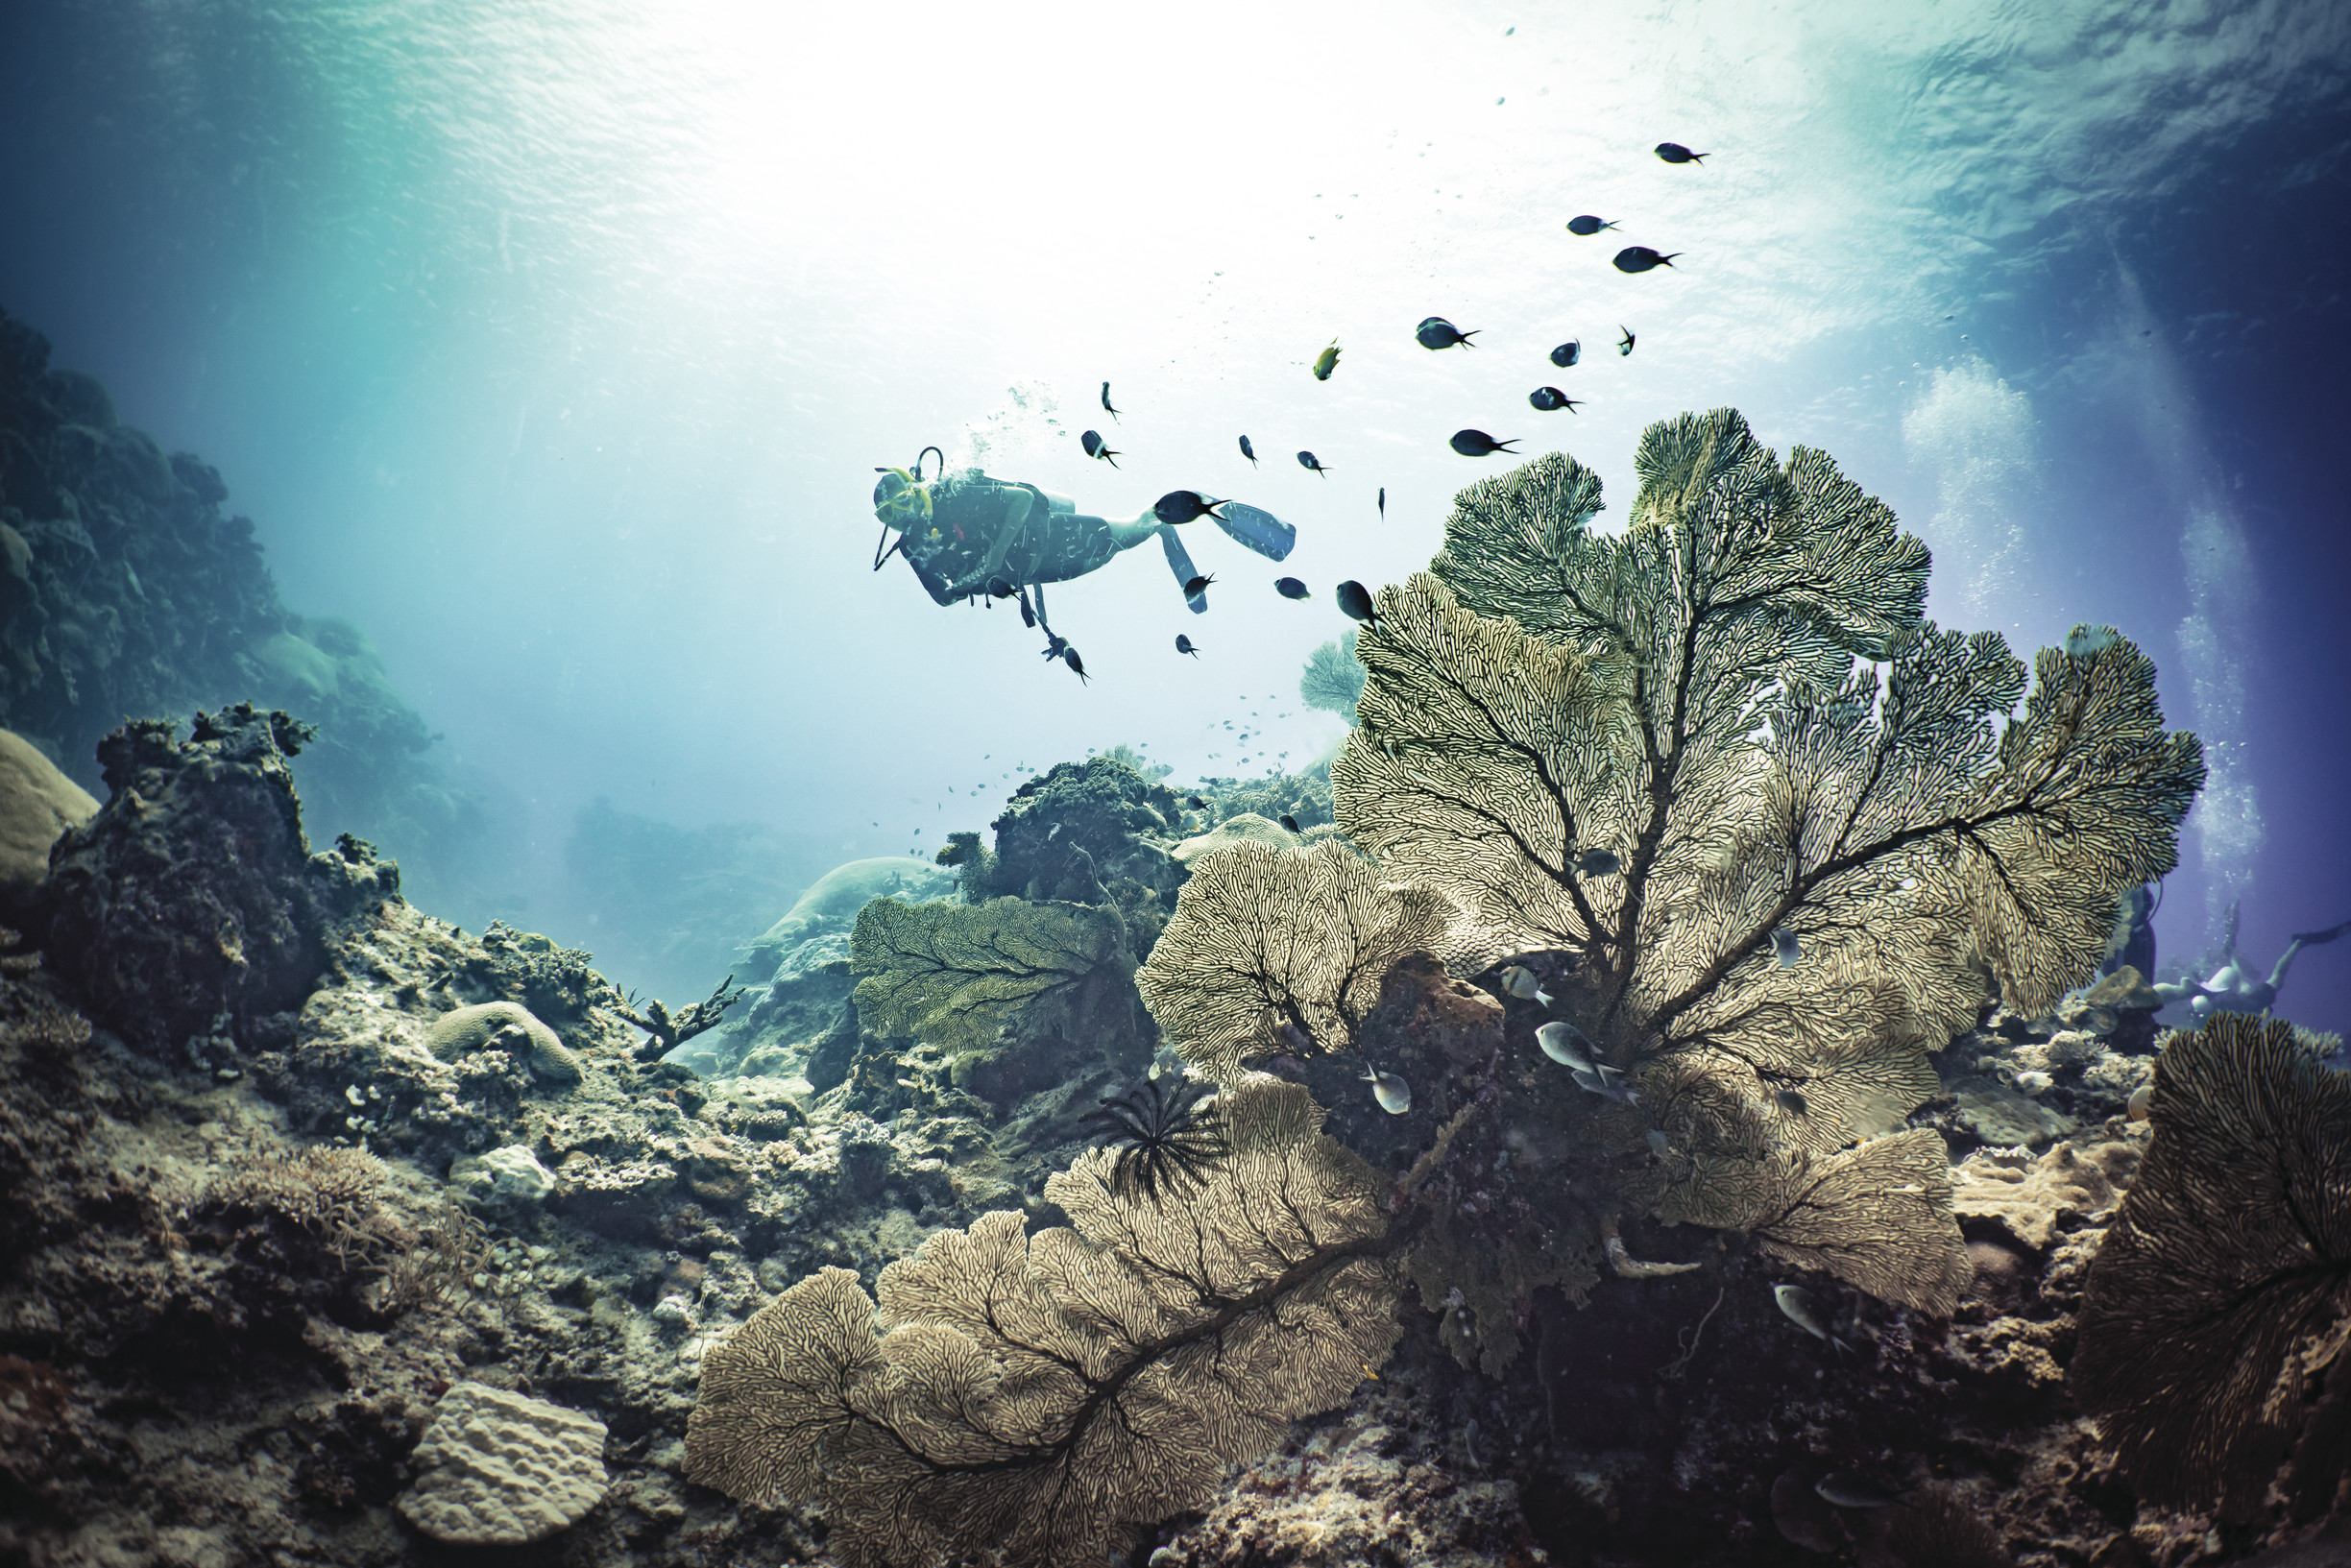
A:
1256	530
1179	562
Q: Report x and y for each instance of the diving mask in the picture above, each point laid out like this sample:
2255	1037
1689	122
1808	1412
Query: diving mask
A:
899	499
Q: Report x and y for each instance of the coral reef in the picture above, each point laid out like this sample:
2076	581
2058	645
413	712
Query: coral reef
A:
1038	1397
1663	780
277	1297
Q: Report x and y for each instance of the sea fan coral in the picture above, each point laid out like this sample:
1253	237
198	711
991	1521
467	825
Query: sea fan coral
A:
1826	833
2217	1310
1036	1397
1333	679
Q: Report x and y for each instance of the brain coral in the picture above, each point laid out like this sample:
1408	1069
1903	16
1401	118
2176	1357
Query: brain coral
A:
468	1029
497	1468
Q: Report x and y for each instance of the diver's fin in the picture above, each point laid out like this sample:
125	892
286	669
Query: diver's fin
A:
1256	530
1179	562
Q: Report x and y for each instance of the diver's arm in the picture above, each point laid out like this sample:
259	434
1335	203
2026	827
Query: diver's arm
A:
1016	513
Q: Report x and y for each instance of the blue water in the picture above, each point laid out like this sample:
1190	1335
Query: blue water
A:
555	345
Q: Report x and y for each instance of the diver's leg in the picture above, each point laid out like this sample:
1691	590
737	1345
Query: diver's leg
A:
1128	534
2299	941
1179	562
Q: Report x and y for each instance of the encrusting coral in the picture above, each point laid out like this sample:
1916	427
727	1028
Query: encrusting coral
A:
2216	1311
1720	801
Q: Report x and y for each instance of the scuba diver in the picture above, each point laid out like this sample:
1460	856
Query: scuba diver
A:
969	536
2236	987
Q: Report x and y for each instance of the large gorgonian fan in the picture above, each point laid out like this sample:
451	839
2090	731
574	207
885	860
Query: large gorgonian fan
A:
1036	1398
1685	696
1280	950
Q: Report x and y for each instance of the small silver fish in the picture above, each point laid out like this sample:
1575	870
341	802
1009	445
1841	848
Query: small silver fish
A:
1598	863
1520	982
1658	1146
1393	1093
1847	1489
1793	1102
1785	949
1607	1082
1805	1313
1564	1044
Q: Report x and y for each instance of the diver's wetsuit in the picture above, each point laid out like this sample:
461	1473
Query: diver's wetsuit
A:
982	530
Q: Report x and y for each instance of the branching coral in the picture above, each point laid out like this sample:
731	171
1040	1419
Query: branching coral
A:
2220	1303
1034	1398
666	1030
953	976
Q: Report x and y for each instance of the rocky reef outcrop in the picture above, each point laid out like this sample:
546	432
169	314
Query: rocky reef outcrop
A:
191	902
127	589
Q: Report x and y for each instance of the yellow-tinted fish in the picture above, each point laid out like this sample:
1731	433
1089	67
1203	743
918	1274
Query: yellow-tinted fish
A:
1326	361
